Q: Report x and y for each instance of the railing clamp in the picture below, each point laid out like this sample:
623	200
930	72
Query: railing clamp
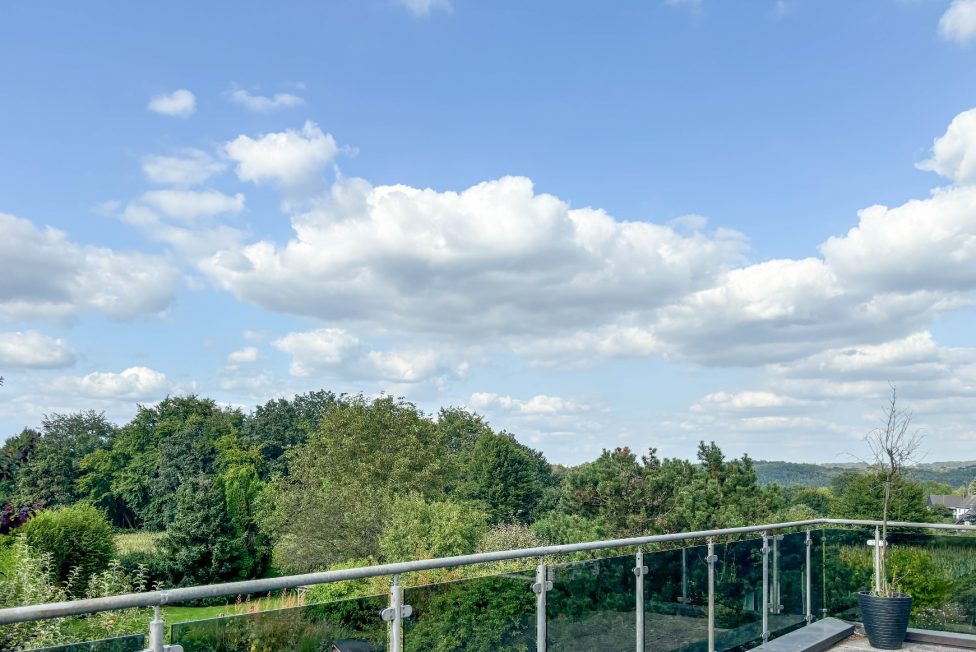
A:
640	571
537	587
389	613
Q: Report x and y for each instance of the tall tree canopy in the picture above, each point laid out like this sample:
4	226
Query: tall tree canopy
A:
336	500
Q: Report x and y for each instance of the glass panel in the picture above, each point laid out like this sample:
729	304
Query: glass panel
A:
309	628
591	605
485	614
738	593
676	599
848	569
787	582
132	643
939	572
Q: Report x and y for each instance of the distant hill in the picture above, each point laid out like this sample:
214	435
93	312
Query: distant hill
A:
820	475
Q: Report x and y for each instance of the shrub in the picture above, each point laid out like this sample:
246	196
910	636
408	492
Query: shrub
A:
28	580
915	572
75	536
424	530
347	589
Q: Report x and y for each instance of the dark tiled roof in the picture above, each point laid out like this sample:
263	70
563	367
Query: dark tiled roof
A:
952	502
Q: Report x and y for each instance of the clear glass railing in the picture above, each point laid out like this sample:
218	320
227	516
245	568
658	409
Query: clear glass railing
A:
482	614
591	605
606	603
937	570
308	628
133	643
676	599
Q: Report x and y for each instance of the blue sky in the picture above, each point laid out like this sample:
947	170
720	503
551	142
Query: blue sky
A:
644	224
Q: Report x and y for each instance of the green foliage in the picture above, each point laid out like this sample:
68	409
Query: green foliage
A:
509	536
114	580
423	530
477	615
27	578
204	545
151	456
50	473
632	497
347	589
862	497
280	425
560	529
612	489
913	571
290	626
507	477
14	454
76	537
816	499
334	504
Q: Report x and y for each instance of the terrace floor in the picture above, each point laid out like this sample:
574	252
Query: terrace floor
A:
860	643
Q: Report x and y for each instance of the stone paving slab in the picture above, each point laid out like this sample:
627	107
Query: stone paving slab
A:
859	642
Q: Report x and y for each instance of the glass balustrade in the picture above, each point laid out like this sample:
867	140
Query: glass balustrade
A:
592	604
308	628
484	614
133	643
676	599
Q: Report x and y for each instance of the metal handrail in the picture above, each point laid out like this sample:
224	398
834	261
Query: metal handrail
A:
185	594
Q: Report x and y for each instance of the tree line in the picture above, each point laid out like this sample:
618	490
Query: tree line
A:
319	479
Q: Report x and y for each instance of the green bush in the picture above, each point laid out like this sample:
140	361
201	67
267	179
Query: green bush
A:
78	536
916	573
27	579
425	530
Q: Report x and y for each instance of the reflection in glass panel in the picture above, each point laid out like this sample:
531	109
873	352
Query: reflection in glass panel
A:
848	568
310	628
591	605
485	614
787	582
939	572
132	643
738	593
676	599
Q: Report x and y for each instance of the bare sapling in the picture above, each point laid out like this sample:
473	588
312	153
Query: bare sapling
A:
893	446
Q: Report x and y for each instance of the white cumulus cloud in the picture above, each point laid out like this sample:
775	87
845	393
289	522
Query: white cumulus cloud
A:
192	204
137	383
47	276
954	153
243	356
180	103
34	350
291	159
496	260
190	168
958	23
263	104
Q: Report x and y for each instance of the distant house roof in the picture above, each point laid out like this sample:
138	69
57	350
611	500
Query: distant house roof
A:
952	502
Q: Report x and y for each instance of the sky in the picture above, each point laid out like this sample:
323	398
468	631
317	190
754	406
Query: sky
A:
645	223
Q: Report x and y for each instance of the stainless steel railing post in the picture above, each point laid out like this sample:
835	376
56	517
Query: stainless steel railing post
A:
156	631
777	604
640	570
809	600
396	625
542	586
765	587
711	559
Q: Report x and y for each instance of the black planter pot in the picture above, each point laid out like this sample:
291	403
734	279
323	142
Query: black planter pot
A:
885	619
